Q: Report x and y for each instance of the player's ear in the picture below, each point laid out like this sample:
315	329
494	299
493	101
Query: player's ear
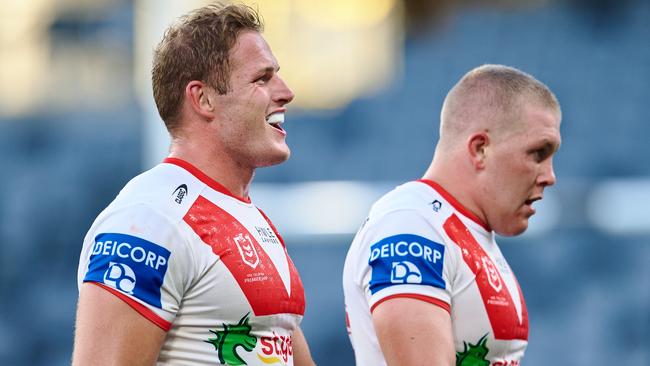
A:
200	97
477	144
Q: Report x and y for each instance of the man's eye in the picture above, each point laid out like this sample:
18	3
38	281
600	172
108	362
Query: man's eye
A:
540	154
263	79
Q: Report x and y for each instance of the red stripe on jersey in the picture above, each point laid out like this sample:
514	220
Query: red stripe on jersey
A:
143	310
497	300
429	299
204	178
347	323
249	264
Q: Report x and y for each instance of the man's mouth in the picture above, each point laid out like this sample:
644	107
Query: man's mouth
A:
530	201
276	120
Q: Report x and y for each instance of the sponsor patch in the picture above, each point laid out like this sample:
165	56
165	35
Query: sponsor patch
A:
406	259
129	264
276	349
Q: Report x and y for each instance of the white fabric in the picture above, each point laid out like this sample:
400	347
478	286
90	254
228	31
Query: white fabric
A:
412	217
226	274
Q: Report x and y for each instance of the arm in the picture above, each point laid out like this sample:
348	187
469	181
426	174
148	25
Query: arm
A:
301	354
110	332
414	333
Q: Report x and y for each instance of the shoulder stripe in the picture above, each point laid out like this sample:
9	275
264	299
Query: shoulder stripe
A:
429	299
143	310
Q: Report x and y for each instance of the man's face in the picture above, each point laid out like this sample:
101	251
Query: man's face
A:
256	93
519	165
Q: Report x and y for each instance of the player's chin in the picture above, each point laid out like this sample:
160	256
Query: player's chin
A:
513	228
278	155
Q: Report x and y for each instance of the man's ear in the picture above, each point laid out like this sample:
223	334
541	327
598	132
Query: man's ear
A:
477	145
201	99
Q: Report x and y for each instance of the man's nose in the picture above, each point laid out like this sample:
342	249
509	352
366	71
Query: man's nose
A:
283	94
547	178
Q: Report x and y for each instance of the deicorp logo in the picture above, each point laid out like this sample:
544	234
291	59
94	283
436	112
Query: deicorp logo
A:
121	277
129	264
405	272
406	259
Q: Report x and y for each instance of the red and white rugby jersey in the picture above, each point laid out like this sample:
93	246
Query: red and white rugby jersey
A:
205	266
419	242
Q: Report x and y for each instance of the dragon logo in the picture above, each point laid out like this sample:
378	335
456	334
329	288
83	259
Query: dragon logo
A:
231	337
473	354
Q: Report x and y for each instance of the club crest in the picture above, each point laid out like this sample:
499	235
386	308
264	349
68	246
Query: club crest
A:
247	250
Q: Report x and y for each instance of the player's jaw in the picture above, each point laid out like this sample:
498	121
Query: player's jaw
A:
512	219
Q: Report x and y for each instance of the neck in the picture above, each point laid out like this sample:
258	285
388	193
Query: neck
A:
456	179
215	164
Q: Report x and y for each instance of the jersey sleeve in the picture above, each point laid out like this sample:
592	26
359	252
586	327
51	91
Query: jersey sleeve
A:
403	255
140	256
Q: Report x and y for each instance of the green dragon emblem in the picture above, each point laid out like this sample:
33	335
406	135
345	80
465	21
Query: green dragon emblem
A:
473	354
231	337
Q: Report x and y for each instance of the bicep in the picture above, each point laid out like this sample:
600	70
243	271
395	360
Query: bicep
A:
109	331
301	354
414	332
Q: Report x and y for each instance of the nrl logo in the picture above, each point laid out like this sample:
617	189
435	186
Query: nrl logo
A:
247	250
492	274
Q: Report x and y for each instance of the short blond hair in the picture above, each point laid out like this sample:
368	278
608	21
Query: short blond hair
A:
491	95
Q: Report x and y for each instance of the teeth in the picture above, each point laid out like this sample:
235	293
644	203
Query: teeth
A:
277	117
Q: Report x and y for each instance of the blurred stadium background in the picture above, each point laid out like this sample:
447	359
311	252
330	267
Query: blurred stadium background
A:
77	121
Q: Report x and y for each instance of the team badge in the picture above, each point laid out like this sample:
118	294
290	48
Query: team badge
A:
492	275
247	250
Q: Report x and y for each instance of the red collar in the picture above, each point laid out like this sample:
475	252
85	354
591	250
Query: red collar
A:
204	178
454	202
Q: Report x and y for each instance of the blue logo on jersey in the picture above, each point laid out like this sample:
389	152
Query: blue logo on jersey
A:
405	272
129	264
406	259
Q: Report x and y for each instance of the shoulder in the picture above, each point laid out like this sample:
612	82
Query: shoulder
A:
409	206
149	208
166	189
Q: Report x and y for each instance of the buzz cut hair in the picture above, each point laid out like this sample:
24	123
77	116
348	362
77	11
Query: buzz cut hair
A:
492	93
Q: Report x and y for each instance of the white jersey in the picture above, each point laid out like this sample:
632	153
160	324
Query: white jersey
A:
203	265
419	242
